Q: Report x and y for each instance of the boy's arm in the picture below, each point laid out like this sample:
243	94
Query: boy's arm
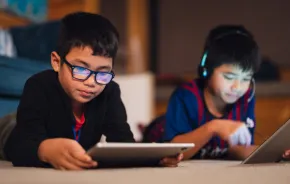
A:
22	145
199	137
179	128
116	128
242	152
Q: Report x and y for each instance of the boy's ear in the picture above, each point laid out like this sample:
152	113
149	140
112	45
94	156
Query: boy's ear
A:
55	61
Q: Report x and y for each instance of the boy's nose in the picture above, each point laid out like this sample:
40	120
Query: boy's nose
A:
236	85
90	81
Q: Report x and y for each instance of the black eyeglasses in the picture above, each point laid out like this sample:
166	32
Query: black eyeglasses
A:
82	74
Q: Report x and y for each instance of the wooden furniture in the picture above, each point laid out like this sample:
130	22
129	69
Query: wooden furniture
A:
271	113
285	73
59	8
137	15
7	20
56	10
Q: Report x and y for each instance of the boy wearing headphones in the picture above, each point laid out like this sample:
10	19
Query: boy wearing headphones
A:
216	111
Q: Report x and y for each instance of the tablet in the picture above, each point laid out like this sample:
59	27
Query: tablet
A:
134	154
273	148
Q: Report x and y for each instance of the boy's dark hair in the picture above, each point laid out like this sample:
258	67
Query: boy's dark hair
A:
82	29
230	44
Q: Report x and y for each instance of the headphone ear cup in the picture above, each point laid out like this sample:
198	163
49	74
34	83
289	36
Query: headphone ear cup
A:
204	73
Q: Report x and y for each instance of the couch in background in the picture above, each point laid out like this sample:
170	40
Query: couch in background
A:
33	44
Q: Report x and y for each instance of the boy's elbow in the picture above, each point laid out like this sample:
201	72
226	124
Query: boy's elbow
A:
12	155
8	151
21	156
19	161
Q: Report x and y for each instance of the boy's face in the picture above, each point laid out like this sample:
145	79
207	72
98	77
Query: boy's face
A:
81	91
230	82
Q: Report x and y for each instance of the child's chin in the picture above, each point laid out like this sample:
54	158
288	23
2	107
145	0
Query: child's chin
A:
82	99
230	101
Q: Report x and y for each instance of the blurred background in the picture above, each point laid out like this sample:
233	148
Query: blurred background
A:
161	45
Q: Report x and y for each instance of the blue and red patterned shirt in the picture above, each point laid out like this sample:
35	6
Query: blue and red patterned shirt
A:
187	111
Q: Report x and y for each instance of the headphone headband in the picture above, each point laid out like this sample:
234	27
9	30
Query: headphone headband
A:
235	32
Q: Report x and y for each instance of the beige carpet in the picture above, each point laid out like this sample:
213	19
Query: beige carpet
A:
191	172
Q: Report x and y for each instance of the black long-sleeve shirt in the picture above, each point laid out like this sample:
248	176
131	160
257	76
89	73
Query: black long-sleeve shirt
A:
45	112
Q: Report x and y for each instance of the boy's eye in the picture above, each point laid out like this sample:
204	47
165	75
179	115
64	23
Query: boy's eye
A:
228	77
246	80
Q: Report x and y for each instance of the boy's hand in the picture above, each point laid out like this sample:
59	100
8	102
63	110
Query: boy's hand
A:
234	132
65	154
171	161
286	155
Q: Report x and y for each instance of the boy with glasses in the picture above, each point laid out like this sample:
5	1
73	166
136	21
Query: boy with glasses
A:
65	111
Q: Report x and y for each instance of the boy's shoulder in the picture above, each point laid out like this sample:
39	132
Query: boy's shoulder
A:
191	88
44	77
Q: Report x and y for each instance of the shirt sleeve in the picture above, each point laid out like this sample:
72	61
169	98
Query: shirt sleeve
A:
22	145
181	115
116	128
251	118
